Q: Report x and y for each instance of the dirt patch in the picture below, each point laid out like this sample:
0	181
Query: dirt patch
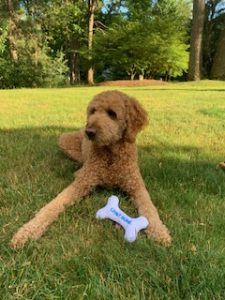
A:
144	82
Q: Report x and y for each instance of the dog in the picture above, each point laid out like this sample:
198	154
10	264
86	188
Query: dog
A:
108	154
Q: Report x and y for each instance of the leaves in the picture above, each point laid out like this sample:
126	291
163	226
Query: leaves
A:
143	37
150	45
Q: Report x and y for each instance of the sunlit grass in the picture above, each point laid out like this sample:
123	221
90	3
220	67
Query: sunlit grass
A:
82	258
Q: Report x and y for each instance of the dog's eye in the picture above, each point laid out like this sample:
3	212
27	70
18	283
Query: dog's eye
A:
112	114
92	111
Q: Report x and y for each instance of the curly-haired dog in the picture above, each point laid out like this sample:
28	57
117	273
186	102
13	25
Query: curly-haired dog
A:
106	148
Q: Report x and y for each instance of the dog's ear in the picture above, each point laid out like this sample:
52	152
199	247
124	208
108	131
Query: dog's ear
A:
136	119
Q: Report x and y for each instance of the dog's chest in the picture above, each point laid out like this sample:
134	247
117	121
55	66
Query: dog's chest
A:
113	165
113	170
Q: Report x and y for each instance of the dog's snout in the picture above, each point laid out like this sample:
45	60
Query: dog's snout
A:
90	132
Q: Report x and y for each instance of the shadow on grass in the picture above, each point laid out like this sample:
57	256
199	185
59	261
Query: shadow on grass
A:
31	147
78	250
34	170
181	169
173	167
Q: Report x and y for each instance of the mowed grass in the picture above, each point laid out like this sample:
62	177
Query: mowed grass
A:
83	258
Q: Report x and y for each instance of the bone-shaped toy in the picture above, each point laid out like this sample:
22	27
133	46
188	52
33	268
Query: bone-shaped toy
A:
131	225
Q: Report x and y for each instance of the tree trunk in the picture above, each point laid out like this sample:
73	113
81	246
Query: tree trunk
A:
11	30
218	67
91	7
132	76
74	68
195	59
91	76
132	72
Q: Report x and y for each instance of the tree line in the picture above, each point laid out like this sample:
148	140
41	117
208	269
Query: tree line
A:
61	42
207	45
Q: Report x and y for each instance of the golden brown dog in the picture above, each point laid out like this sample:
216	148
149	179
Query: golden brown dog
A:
107	150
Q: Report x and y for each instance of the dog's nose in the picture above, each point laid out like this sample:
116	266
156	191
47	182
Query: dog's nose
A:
90	132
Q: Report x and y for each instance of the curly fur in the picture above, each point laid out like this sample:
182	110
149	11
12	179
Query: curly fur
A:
108	159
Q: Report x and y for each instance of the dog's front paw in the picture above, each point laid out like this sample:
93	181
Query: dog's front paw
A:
159	233
21	237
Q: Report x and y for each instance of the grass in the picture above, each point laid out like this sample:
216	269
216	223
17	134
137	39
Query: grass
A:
83	258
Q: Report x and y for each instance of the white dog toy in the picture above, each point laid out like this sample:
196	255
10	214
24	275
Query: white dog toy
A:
131	225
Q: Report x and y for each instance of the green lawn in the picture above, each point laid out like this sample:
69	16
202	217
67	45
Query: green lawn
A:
83	258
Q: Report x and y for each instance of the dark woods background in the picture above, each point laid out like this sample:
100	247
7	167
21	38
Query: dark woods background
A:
68	42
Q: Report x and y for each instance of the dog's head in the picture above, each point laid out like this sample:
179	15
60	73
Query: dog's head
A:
113	116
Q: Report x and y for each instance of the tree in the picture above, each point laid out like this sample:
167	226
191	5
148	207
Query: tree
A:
116	39
150	41
25	59
214	24
12	29
218	67
66	30
92	4
195	60
93	7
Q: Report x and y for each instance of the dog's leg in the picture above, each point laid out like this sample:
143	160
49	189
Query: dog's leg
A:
156	229
82	185
135	187
71	144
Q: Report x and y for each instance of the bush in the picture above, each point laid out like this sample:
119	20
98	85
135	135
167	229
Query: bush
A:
39	70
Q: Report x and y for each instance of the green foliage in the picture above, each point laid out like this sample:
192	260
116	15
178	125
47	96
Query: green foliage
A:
37	64
3	37
131	38
65	27
4	59
154	45
67	31
33	68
